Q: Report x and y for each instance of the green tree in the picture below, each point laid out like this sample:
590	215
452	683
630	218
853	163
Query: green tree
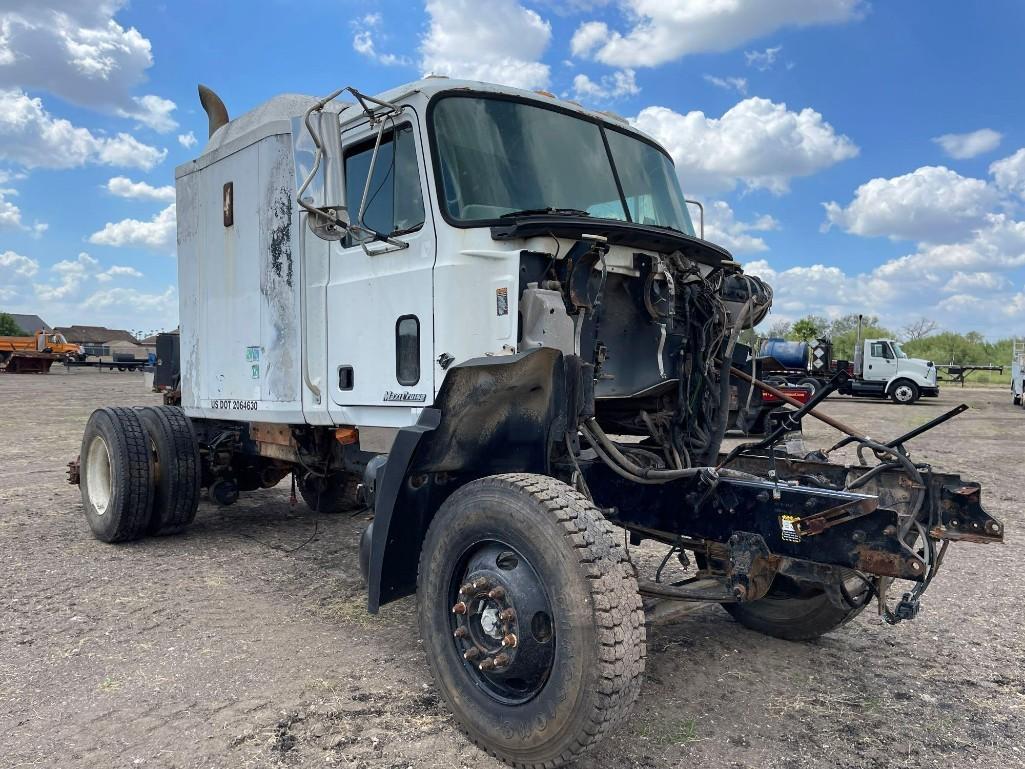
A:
809	328
849	322
8	326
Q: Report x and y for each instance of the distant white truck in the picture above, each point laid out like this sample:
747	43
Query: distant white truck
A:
881	369
1018	372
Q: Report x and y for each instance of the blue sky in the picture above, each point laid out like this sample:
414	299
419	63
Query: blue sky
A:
810	128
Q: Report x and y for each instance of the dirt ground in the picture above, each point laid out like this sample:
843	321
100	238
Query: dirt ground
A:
245	643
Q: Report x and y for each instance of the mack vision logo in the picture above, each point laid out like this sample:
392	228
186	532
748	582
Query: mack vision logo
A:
405	397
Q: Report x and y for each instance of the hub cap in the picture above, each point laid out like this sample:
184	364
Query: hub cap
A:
97	475
502	623
903	393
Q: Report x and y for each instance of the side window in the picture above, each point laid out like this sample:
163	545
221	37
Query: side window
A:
395	201
881	350
407	350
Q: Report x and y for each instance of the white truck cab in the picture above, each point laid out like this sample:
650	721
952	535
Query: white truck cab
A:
448	304
881	367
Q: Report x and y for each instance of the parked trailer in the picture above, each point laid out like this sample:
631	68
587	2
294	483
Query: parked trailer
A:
485	313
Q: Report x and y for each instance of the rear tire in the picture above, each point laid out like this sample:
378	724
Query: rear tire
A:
812	384
177	476
331	494
904	392
577	662
116	472
792	612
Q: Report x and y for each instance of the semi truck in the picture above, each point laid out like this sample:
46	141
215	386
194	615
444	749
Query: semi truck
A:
485	314
880	368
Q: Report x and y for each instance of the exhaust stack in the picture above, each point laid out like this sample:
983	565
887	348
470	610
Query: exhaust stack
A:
215	110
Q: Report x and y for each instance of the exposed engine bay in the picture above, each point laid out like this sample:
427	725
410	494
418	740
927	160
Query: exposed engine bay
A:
660	336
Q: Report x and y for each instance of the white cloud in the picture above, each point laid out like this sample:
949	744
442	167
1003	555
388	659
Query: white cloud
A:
73	49
71	274
664	30
16	272
588	36
969	145
976	282
499	42
152	111
723	228
187	140
130	299
1009	173
15	265
932	204
757	142
158	233
366	30
608	87
10	214
762	60
33	138
118	271
124	187
968	284
738	84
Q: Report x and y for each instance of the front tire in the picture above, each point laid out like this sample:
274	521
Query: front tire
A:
527	556
904	391
792	611
116	471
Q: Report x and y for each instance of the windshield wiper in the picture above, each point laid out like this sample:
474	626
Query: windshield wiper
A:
545	212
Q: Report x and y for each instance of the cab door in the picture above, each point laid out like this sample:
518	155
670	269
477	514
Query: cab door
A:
380	335
881	362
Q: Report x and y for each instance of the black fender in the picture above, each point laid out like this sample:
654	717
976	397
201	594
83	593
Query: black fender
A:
492	415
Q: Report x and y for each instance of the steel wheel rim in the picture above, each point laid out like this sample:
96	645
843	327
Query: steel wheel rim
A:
97	475
501	621
903	393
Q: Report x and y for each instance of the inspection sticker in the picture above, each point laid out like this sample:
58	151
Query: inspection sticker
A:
789	529
502	300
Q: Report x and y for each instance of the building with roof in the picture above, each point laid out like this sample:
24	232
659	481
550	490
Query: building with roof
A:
30	324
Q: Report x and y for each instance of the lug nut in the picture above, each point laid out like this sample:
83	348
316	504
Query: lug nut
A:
486	665
459	608
481	583
507	615
497	593
460	632
471	654
466	589
501	660
509	641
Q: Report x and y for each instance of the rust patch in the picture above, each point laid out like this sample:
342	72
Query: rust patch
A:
886	564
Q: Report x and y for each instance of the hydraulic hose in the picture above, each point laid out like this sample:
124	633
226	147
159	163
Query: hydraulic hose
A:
622	465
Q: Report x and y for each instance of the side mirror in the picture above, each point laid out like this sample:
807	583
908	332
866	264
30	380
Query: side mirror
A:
329	223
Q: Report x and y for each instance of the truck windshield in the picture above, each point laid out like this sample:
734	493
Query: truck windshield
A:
498	156
900	353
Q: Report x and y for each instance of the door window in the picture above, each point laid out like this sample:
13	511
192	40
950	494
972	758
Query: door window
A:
394	203
881	350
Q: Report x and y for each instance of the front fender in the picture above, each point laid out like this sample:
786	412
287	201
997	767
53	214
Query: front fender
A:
492	415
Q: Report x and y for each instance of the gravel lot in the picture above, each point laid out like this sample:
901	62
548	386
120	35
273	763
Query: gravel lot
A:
245	642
